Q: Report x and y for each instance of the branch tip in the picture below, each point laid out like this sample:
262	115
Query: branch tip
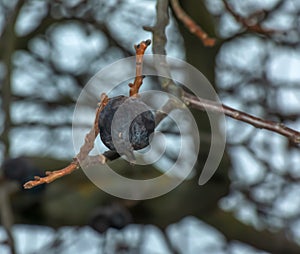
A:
148	28
138	81
148	42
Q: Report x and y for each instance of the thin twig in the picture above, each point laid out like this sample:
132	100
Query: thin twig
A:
51	176
138	81
191	24
81	158
159	44
203	104
103	101
246	22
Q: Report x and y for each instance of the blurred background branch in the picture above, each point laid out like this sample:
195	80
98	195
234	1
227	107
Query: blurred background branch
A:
7	220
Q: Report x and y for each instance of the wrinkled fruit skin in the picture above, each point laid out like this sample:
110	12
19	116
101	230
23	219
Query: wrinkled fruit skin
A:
127	135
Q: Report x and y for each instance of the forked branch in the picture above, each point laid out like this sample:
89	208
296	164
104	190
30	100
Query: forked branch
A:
83	158
248	22
159	44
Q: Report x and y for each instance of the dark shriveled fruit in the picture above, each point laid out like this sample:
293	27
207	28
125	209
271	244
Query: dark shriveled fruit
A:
131	128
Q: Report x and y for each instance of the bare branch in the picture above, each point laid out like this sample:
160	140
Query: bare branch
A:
82	158
159	38
203	104
159	41
138	81
257	122
51	176
247	22
191	24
